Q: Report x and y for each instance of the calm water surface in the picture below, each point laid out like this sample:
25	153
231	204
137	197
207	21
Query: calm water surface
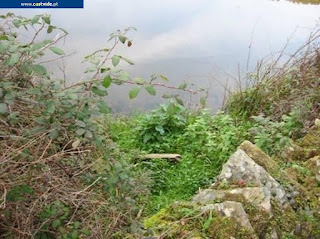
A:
186	40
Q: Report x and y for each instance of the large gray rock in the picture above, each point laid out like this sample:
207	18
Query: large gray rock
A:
240	167
231	209
257	196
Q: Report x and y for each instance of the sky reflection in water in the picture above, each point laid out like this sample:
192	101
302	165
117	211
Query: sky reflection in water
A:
186	40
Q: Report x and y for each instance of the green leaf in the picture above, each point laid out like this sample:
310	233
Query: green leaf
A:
104	69
98	91
139	80
76	224
9	97
88	134
86	231
180	102
146	138
57	50
41	70
103	107
80	132
56	223
74	234
54	134
134	92
107	81
160	129
171	109
51	107
122	39
14	59
183	86
47	41
123	176
95	61
16	23
2	48
50	29
166	96
35	19
127	60
3	108
164	78
41	120
81	124
90	69
115	60
37	46
207	224
4	37
46	19
150	89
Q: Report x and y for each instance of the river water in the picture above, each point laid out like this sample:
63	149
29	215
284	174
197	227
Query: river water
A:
195	41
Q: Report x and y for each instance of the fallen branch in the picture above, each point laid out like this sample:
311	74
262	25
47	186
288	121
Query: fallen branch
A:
175	157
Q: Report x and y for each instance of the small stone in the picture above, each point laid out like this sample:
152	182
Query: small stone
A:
274	234
317	122
268	185
289	195
295	193
308	211
280	193
292	202
297	230
290	188
228	175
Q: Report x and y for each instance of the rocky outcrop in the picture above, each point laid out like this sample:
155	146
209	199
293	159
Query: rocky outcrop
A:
231	209
256	196
259	198
241	168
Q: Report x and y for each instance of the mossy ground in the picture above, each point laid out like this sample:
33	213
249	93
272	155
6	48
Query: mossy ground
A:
185	220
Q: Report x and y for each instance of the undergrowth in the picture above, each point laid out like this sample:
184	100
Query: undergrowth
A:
203	140
70	169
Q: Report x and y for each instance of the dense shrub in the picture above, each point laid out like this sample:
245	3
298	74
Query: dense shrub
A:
61	177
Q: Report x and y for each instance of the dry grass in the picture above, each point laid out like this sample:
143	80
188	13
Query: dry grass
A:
282	83
36	173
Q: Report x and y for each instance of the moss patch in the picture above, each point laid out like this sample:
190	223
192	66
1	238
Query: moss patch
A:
186	220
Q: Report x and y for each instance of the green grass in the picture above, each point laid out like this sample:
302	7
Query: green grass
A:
203	140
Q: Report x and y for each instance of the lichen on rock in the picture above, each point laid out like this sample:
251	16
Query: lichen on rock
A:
256	196
241	167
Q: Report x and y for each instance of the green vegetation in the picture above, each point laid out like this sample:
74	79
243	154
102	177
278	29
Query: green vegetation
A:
205	142
316	2
71	169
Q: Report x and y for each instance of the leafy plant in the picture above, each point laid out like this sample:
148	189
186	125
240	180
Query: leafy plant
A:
272	136
54	149
157	129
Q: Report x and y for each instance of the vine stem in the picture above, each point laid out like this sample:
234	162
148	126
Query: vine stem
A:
133	83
